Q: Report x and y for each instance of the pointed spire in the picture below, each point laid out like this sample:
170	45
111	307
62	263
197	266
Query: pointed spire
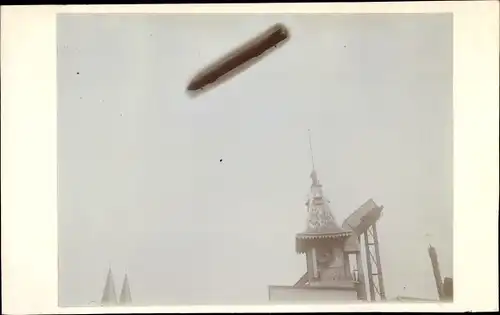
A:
109	293
125	296
311	148
314	176
320	218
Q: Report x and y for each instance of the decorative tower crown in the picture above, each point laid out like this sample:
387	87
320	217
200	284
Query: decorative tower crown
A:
320	220
321	223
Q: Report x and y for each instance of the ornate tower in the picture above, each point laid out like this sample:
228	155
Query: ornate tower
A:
326	246
323	243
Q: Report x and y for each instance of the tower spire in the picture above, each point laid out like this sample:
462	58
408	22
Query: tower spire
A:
314	176
125	296
311	149
109	293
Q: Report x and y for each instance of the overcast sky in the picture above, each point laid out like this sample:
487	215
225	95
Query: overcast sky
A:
141	185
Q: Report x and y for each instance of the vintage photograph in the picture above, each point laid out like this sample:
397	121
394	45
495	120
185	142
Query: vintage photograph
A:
218	159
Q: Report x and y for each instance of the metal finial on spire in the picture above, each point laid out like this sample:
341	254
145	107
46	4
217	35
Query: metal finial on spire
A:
311	149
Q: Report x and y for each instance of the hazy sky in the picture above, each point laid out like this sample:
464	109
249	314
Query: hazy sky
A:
141	185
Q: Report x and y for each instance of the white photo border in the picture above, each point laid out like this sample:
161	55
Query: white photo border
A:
29	153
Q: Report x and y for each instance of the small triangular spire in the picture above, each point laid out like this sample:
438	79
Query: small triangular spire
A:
109	293
125	296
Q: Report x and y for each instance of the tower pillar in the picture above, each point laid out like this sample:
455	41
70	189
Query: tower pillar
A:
361	276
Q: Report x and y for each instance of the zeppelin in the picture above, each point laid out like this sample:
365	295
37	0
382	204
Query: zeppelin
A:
240	57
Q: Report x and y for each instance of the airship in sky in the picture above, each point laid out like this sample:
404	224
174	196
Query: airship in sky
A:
240	58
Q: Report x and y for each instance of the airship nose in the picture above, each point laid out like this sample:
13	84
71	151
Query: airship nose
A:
283	29
192	86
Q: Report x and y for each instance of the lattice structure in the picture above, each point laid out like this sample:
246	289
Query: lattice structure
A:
373	264
363	222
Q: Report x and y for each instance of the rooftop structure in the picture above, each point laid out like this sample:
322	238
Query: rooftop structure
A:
328	276
109	297
109	292
125	296
363	224
444	287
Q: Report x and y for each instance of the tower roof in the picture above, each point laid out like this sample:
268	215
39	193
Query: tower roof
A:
321	224
109	293
125	296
